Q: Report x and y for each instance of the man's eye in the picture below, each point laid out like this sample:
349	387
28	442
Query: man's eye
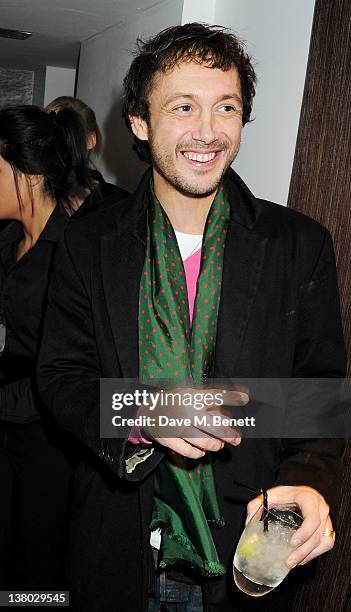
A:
228	108
184	108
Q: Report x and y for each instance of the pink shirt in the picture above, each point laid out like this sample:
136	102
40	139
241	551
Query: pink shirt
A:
192	269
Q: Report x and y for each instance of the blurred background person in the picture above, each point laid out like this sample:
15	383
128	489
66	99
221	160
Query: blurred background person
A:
104	194
43	174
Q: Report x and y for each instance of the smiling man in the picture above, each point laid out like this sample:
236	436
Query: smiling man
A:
191	277
194	129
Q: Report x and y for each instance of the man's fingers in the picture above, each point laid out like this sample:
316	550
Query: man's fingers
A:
313	508
317	545
309	539
193	440
310	526
182	447
253	506
228	434
227	388
236	398
231	397
326	545
193	448
303	551
207	443
326	542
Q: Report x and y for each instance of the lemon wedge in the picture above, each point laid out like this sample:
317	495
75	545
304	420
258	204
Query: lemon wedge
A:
249	546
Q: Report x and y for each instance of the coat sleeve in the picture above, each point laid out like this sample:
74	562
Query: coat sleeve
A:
319	353
17	403
69	371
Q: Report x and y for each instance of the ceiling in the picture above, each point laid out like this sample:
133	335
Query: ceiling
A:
59	26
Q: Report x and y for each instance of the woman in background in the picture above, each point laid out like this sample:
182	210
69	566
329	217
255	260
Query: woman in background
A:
43	174
104	194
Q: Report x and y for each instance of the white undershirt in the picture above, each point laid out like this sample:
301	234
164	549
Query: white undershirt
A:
188	245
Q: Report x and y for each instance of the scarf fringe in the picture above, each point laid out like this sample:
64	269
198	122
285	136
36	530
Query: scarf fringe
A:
218	523
179	538
158	524
209	569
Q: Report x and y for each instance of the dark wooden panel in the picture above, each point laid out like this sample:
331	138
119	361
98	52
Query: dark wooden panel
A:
321	188
321	178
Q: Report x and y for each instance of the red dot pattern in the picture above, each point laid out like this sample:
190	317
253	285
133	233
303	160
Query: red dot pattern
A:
169	347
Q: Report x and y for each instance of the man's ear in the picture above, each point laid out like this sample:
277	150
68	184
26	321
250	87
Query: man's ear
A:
139	127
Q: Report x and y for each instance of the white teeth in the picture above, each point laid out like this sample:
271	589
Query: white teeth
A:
200	157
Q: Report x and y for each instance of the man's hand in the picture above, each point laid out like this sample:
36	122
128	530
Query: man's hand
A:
308	540
193	440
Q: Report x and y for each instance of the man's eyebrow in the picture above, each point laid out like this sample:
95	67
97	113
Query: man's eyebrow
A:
193	96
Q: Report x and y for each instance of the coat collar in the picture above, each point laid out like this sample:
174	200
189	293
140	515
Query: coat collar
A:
122	260
131	213
245	208
52	231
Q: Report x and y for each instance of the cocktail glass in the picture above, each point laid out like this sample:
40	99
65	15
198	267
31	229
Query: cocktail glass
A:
264	546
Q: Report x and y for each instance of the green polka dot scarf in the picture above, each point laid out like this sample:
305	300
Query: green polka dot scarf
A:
174	352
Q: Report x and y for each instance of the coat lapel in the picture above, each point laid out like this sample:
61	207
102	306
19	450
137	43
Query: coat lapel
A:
122	260
242	267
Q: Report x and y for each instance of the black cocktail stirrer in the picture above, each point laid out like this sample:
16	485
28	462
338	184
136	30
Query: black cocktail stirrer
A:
265	507
265	500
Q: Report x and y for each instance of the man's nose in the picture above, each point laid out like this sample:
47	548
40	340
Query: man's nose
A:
204	128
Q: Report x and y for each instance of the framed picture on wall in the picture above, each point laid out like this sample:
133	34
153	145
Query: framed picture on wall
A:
16	86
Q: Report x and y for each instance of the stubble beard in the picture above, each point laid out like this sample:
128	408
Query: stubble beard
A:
163	162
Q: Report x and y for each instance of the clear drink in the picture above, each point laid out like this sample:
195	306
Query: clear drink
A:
259	561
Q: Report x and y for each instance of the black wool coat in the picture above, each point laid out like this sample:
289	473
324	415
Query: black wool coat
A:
278	317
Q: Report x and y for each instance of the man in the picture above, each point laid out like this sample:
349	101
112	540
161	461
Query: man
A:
119	307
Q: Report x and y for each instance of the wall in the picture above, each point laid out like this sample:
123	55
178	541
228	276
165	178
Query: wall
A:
278	35
104	61
58	82
199	10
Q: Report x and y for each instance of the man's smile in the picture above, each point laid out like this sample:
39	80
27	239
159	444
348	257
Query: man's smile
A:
201	159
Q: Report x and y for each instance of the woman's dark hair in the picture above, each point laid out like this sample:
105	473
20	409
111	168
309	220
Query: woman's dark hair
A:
52	145
214	46
87	114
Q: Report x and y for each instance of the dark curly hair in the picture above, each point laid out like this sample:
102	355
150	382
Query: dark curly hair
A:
213	45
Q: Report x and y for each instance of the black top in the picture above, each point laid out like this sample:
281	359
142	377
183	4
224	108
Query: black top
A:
23	288
104	195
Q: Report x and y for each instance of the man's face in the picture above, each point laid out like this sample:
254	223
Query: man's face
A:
195	126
